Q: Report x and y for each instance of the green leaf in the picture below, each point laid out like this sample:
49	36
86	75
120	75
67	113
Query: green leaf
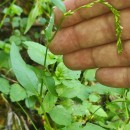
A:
16	22
49	102
90	126
74	126
39	55
60	115
97	110
4	60
13	9
16	9
59	4
17	93
15	39
35	12
94	98
83	93
80	110
50	84
48	30
62	72
24	74
90	74
4	86
128	95
69	88
127	127
31	101
101	89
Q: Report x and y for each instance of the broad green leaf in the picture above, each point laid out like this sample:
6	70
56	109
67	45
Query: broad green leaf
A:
4	60
16	22
90	74
60	115
48	30
15	39
12	10
39	55
49	102
4	86
35	12
83	93
113	107
50	84
90	126
94	98
62	72
101	89
17	93
16	9
30	101
74	126
127	127
128	95
79	110
24	74
97	110
69	88
59	4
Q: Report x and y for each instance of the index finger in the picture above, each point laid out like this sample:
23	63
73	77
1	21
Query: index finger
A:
86	13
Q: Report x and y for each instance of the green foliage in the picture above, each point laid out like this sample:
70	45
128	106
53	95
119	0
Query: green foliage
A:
50	84
12	10
91	126
4	86
60	115
60	5
49	101
17	91
35	12
62	72
31	75
40	52
26	77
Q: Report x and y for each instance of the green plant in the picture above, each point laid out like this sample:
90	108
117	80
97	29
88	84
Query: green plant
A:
62	100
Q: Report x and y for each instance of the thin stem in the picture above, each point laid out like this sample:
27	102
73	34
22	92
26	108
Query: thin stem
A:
46	118
126	107
3	3
27	115
49	42
58	28
47	46
9	79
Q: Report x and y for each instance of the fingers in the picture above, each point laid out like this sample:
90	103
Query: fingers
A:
84	14
98	57
98	31
114	77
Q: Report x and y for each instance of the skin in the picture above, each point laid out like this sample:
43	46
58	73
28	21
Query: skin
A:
87	40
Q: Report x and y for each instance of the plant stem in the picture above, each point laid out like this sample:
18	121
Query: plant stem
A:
47	46
46	118
27	115
125	104
3	3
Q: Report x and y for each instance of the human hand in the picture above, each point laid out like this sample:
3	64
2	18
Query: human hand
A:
87	40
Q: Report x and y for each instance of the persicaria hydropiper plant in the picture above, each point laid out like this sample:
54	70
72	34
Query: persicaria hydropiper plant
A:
57	94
